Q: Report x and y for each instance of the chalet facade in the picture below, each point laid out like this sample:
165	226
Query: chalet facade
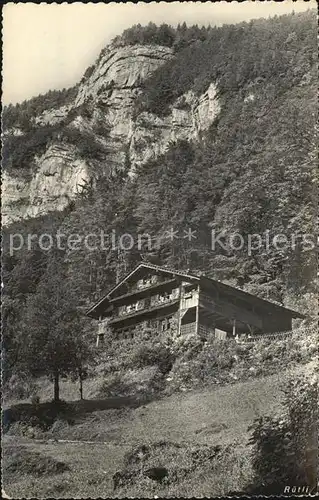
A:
182	304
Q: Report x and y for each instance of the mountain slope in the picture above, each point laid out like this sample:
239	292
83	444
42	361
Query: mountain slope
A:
139	96
95	135
206	132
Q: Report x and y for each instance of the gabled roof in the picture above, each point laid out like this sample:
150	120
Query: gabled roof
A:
156	268
106	297
249	296
205	281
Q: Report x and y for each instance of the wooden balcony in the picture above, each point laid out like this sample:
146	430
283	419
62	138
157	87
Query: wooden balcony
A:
144	304
102	326
190	299
144	312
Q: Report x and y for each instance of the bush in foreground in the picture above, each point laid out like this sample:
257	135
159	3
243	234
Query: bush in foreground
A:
285	448
19	460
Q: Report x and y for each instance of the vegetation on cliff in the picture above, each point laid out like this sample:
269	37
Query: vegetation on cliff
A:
273	55
21	115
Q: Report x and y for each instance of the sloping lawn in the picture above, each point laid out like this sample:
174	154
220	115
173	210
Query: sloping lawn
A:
216	416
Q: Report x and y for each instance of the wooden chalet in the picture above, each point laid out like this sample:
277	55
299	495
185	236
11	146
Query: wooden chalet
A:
183	304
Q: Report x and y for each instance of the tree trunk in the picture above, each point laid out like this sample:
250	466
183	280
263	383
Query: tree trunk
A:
81	383
56	387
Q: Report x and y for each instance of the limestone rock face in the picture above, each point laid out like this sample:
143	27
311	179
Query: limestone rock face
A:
122	69
52	116
15	198
58	179
108	96
189	116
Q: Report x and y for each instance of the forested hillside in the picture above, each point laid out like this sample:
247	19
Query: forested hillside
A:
251	172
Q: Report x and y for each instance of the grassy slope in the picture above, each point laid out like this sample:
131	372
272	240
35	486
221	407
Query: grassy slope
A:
211	416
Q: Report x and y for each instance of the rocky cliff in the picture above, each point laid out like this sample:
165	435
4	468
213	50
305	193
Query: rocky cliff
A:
104	110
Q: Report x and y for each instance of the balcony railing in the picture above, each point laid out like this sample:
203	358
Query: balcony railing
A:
142	311
131	308
144	304
247	339
158	301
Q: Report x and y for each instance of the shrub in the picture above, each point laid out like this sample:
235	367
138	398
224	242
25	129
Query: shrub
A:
112	386
19	460
88	72
24	429
285	448
135	381
148	355
41	415
18	387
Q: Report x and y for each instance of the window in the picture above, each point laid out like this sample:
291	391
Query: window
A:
166	324
164	297
175	293
154	299
144	282
122	310
139	305
100	339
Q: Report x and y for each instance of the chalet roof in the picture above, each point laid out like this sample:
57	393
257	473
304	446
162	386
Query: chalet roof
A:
106	297
206	282
271	304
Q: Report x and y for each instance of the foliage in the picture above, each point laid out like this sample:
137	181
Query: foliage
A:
88	72
112	386
222	362
285	448
19	460
20	116
55	342
19	151
138	383
152	354
192	469
259	51
160	35
23	417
